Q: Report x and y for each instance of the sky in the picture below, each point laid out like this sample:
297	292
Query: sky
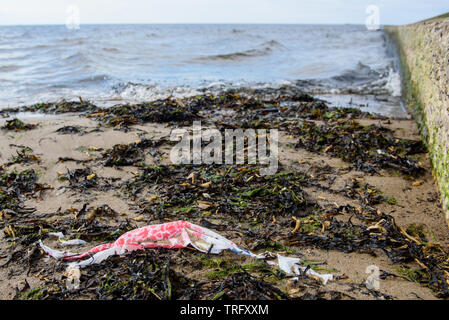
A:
391	12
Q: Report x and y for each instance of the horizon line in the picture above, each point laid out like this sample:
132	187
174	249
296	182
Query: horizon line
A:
185	23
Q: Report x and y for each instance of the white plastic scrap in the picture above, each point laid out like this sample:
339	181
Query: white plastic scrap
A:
73	278
292	266
61	237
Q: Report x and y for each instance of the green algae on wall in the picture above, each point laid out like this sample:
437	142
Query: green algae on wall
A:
424	53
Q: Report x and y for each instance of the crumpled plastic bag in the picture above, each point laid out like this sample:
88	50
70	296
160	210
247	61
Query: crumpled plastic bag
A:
173	235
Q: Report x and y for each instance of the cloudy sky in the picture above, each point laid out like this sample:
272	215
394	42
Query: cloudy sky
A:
14	12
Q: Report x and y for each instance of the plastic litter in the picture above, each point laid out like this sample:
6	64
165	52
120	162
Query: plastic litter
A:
73	278
61	237
174	235
292	266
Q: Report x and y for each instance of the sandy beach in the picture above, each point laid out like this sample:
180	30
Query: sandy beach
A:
77	190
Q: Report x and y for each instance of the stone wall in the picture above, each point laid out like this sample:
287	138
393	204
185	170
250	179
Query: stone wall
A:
424	52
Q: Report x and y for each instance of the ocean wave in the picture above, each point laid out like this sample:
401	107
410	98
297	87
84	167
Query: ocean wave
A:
76	58
362	80
361	73
239	55
264	49
273	44
94	79
111	50
136	92
42	46
393	84
140	92
9	68
73	41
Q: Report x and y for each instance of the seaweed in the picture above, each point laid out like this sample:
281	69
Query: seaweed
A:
260	108
243	286
60	107
144	277
18	125
248	195
161	111
381	234
128	154
26	233
79	130
372	196
14	186
71	130
369	148
24	156
82	179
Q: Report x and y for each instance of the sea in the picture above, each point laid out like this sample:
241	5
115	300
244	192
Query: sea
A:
345	65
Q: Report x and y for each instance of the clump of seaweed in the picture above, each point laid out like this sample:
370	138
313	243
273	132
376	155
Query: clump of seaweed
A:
71	130
128	154
145	276
19	184
369	148
95	223
160	111
83	179
25	233
18	125
15	187
372	196
60	107
24	156
243	286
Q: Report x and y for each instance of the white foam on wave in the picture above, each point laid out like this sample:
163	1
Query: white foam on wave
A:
393	84
140	92
135	92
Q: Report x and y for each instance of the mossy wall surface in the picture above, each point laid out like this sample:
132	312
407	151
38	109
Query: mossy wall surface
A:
424	53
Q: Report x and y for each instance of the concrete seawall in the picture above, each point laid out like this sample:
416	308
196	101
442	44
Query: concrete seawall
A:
424	53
